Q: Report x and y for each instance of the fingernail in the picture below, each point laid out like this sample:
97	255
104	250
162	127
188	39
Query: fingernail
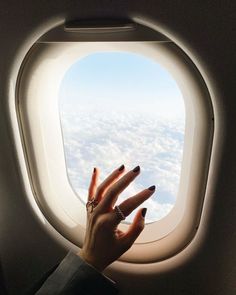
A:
136	169
94	170
144	211
152	188
121	167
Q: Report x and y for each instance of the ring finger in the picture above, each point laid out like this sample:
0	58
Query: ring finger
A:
127	206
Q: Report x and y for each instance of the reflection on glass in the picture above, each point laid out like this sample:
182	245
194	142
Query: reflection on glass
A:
122	108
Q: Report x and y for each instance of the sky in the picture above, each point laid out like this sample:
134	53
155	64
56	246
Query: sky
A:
123	108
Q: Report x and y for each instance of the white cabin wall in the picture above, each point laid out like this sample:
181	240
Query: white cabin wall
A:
206	29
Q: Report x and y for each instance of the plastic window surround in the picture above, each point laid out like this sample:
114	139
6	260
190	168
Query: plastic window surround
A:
38	115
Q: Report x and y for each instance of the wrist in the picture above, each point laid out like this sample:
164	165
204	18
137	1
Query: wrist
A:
90	260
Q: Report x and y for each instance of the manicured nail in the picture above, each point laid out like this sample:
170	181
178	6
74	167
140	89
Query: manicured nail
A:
152	188
121	167
94	170
144	211
136	169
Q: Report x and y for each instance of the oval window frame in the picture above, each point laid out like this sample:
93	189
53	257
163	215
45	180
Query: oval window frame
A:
172	237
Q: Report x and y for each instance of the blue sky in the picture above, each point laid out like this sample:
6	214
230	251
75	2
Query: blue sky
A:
123	79
121	108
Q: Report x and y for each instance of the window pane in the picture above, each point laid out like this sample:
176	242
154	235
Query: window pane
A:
123	108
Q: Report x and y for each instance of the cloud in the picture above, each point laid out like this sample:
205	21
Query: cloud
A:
107	138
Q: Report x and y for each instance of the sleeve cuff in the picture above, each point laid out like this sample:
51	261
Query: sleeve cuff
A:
74	275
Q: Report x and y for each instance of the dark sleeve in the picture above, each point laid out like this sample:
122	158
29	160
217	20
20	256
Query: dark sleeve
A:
75	276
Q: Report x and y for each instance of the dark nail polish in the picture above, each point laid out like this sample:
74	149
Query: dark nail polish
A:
121	167
144	211
136	169
152	188
94	170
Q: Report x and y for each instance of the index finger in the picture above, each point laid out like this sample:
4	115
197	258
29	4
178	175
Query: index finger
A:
104	186
93	184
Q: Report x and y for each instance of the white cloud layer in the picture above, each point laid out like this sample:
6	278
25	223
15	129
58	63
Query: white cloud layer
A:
108	138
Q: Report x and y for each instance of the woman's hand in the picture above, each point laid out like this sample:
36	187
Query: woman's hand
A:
104	242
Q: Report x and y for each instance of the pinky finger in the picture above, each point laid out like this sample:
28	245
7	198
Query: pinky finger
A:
93	184
135	228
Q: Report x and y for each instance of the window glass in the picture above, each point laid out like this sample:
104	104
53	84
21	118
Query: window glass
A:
123	108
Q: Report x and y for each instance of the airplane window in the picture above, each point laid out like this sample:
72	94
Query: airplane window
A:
83	102
120	107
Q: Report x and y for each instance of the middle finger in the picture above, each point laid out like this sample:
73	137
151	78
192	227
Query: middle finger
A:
113	192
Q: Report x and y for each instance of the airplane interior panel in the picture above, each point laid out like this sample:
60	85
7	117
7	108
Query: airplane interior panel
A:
86	86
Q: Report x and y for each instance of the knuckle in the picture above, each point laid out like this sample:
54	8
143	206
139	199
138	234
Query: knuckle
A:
128	206
127	210
140	227
111	192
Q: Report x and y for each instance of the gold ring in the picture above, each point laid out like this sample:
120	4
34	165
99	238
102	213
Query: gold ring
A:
90	205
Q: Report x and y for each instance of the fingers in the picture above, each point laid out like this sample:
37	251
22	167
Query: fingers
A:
135	229
114	191
104	186
132	203
93	184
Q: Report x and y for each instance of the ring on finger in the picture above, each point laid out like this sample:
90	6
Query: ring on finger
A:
120	215
90	205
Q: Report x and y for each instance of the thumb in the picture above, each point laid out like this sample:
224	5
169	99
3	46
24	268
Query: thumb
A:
135	228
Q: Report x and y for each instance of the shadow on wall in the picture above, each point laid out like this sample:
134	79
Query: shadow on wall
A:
2	281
